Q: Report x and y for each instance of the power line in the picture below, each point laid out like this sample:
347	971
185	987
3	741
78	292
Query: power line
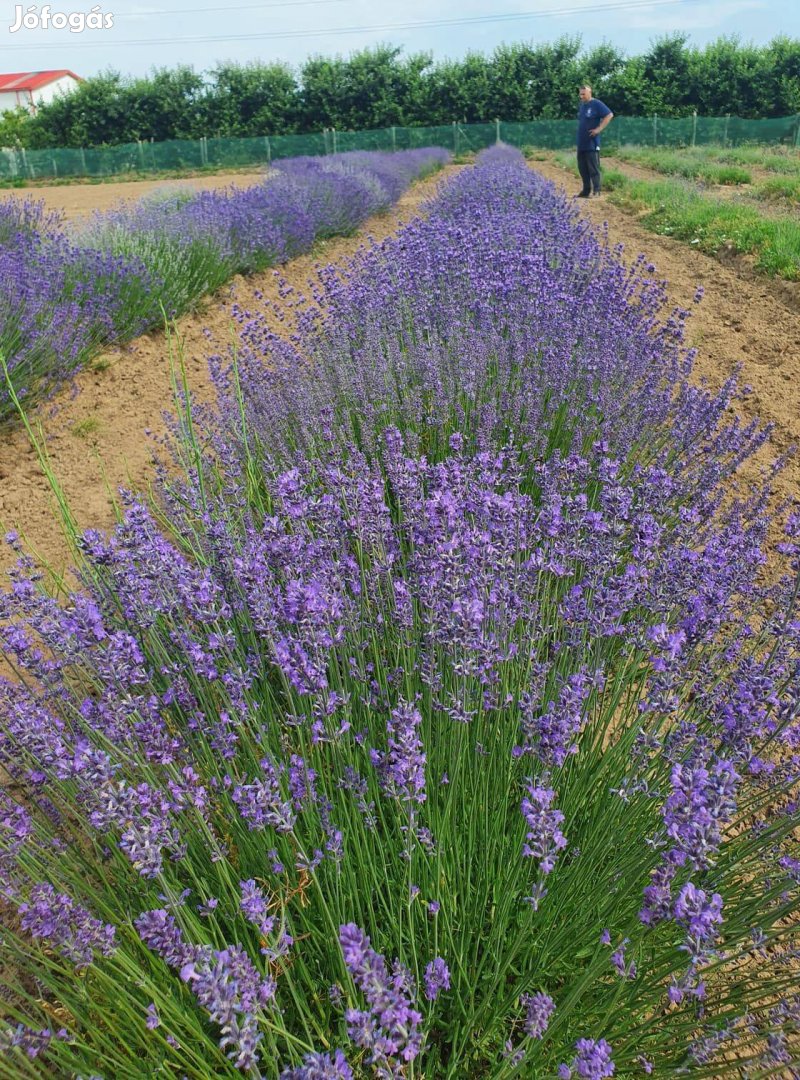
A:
229	7
475	20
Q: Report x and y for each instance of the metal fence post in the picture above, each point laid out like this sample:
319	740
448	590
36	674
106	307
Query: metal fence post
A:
797	131
655	129
455	137
694	128
725	137
496	130
394	137
269	150
333	132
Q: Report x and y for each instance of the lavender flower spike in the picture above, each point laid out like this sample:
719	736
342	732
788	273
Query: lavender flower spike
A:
437	978
545	839
391	1028
404	763
540	1008
320	1067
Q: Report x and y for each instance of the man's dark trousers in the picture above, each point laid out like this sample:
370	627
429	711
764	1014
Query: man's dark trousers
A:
589	168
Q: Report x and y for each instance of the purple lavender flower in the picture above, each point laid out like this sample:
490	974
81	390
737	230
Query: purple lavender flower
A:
623	969
593	1059
700	916
31	1041
658	895
320	1067
437	978
153	1019
403	765
539	1007
700	801
65	925
261	803
390	1029
254	906
544	838
225	983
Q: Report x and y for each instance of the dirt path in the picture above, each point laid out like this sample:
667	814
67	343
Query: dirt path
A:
743	319
96	436
77	201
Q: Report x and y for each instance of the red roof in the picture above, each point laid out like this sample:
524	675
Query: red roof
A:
33	80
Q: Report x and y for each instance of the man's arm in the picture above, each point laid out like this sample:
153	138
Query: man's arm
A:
603	124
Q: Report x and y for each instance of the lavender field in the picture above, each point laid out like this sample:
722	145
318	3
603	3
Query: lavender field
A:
441	717
67	294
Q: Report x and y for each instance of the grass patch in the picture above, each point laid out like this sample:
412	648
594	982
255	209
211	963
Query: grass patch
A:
674	208
688	164
86	428
778	189
678	210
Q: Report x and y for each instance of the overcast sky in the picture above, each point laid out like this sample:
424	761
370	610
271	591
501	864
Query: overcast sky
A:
202	32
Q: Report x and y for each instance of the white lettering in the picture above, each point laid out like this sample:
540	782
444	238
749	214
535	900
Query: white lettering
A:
35	18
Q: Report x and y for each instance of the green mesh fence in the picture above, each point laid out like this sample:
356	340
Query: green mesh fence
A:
179	154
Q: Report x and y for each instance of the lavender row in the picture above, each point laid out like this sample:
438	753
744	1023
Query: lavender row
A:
442	721
65	297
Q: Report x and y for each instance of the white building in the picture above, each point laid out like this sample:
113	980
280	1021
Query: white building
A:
27	89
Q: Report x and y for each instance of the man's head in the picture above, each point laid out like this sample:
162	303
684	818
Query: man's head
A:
585	93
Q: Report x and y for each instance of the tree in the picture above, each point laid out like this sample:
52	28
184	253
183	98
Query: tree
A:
250	99
15	128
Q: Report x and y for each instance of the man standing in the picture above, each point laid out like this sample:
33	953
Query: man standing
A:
593	117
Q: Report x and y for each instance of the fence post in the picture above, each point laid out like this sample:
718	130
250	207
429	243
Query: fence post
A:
455	138
269	150
725	137
655	129
28	167
55	167
694	128
797	132
333	132
394	137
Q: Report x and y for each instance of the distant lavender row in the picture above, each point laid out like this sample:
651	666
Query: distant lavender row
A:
440	724
64	296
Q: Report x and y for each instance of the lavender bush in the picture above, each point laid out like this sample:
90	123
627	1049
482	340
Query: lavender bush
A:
65	298
440	720
59	302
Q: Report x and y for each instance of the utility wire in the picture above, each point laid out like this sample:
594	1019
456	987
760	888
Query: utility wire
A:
147	12
276	35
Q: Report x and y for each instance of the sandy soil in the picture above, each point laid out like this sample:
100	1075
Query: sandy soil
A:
744	319
95	432
77	201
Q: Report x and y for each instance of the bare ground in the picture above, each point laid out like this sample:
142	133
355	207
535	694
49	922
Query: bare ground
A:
79	201
95	431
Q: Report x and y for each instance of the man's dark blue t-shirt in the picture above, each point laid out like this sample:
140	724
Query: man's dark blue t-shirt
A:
590	113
